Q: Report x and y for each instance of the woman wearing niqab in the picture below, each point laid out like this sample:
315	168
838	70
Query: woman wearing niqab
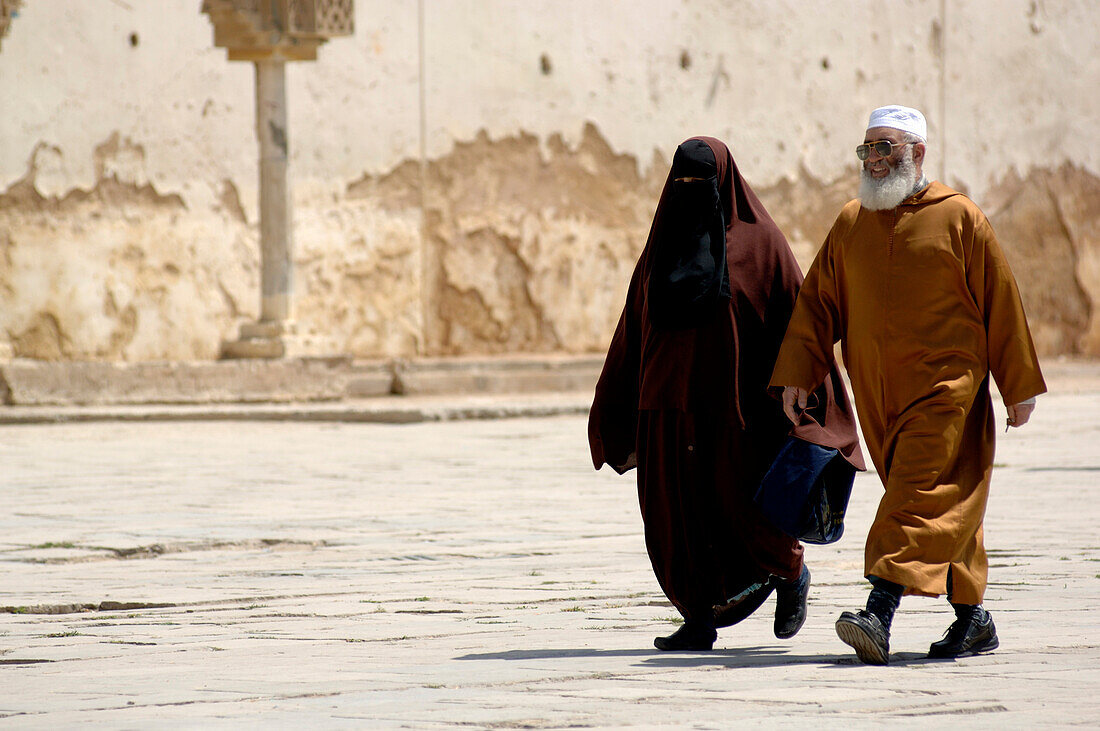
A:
683	397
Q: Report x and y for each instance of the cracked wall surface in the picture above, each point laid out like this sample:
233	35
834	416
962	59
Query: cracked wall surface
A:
526	246
115	271
493	196
1049	222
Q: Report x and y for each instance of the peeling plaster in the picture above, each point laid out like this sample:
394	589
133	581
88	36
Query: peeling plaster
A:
504	245
120	181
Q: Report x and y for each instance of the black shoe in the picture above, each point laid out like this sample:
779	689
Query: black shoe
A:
690	636
727	615
967	637
864	632
790	604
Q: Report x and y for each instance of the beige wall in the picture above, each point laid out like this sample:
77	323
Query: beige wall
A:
477	176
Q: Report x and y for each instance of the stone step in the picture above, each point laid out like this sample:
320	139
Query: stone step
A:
25	382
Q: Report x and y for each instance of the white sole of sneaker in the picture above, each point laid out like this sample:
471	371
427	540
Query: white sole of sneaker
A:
866	650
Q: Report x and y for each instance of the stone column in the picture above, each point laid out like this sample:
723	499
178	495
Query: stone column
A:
269	34
276	246
267	338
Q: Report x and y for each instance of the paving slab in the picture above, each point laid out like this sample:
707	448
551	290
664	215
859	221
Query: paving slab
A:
478	573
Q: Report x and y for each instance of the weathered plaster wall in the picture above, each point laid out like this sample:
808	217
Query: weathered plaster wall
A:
479	178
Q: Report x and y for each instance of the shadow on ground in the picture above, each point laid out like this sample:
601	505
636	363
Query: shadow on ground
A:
743	657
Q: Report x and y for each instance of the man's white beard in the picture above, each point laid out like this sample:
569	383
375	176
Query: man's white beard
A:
882	194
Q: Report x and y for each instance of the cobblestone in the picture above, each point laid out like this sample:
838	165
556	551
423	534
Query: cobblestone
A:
443	574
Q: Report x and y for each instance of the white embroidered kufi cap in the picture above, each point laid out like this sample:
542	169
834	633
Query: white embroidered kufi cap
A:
903	118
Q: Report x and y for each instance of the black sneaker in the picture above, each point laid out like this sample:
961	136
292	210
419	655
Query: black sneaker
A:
967	637
790	604
690	636
864	632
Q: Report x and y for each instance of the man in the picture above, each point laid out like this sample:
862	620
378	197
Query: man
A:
912	282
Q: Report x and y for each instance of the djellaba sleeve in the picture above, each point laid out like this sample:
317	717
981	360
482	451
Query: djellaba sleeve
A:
1011	351
806	355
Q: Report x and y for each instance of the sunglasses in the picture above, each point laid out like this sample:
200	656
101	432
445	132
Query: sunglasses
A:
884	148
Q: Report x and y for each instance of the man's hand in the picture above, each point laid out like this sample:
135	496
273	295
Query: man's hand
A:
794	396
1018	414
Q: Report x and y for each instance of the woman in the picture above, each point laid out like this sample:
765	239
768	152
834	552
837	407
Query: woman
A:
683	396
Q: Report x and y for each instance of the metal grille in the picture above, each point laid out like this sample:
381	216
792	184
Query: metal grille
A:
252	30
336	17
321	17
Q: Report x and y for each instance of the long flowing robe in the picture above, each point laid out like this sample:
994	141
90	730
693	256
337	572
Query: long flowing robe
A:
692	406
925	307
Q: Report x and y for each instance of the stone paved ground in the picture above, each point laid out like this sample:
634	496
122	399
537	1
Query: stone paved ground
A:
480	574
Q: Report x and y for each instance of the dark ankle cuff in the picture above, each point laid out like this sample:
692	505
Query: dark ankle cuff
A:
967	611
885	585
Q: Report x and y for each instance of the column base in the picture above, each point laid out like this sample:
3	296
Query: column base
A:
271	339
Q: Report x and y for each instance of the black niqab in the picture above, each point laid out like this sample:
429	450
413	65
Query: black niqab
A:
689	276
